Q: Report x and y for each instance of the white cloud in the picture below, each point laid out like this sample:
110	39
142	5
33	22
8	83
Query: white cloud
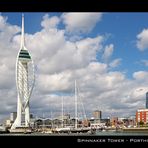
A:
115	63
97	67
108	51
142	42
67	77
77	54
50	22
50	83
80	22
2	22
7	56
141	75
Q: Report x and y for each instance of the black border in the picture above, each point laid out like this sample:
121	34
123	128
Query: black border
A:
74	5
70	6
48	141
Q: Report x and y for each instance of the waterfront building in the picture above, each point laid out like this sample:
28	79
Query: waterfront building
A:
31	116
106	121
64	117
114	121
147	100
85	123
142	116
25	82
13	116
8	123
97	114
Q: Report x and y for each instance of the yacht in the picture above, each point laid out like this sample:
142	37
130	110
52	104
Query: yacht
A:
3	129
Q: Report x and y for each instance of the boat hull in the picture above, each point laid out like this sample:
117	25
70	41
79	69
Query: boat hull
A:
21	130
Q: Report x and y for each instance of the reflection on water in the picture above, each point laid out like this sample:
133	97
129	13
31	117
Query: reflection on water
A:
119	133
98	133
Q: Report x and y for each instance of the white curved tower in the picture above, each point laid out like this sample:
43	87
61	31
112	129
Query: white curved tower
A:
25	82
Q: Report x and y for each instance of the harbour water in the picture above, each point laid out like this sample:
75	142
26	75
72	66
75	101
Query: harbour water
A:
98	133
120	133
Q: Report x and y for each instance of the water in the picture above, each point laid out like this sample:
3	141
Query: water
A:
120	133
98	133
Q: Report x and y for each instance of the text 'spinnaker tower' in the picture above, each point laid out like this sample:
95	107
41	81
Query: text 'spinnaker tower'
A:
25	79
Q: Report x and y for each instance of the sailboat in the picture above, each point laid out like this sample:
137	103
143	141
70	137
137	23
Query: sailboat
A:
63	129
76	128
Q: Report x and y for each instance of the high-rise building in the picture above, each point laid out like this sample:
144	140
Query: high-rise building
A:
147	100
25	82
142	115
13	116
97	114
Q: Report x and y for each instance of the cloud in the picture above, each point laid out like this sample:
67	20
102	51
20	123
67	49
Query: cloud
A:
7	56
2	22
142	42
115	63
80	22
141	75
50	22
108	51
67	77
53	46
7	65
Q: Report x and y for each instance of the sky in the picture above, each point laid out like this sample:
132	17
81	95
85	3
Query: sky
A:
106	53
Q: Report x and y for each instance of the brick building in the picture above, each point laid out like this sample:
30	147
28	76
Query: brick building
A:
142	115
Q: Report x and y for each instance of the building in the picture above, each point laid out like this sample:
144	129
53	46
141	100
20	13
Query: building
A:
85	123
142	116
114	121
97	114
31	116
8	123
147	100
13	116
25	82
67	116
64	117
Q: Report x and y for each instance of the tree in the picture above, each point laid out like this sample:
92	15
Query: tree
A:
141	123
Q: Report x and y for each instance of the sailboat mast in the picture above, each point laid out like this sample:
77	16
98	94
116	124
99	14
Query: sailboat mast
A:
76	114
51	119
62	112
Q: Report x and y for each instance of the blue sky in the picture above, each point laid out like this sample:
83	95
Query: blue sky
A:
106	52
122	29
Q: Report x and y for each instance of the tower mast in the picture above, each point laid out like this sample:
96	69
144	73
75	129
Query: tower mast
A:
76	114
24	81
22	35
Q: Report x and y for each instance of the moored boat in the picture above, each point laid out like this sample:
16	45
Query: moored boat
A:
25	130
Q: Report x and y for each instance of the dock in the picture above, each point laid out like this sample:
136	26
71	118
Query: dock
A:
136	129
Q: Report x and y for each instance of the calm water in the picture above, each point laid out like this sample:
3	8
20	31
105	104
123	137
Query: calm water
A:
98	133
119	133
